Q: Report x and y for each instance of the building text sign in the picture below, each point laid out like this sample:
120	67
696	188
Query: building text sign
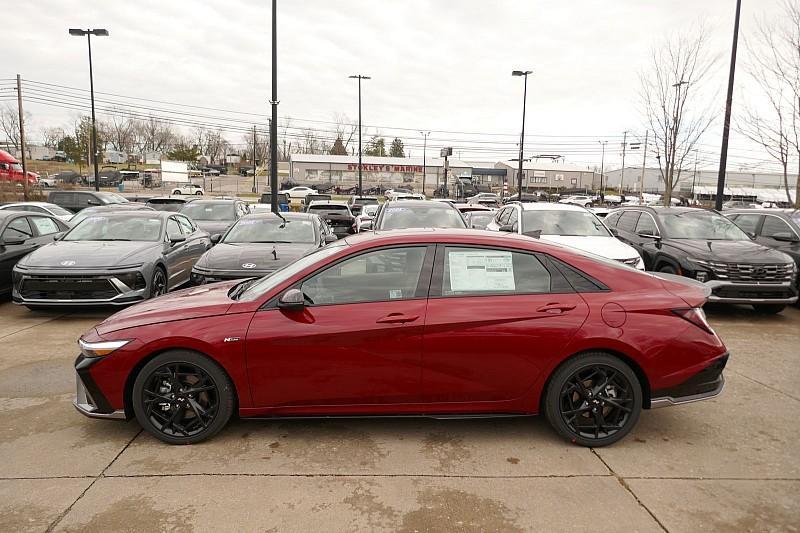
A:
386	168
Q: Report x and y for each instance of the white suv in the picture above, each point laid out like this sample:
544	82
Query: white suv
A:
188	188
565	224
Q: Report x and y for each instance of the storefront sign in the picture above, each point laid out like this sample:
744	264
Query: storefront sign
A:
386	168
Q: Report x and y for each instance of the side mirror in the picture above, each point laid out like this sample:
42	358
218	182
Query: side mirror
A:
292	300
175	239
331	238
92	202
511	228
785	236
11	242
216	238
648	235
367	225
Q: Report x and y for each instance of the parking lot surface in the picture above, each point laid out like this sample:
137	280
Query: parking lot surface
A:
728	464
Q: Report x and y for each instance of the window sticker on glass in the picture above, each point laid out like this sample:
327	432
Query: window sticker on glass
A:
481	270
395	293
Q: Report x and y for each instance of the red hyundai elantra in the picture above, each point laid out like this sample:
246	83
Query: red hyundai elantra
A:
426	322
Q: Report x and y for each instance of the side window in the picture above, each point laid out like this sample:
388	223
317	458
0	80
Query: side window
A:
390	274
479	271
173	229
512	219
19	228
646	225
35	209
748	223
627	222
186	225
44	225
612	219
502	216
773	225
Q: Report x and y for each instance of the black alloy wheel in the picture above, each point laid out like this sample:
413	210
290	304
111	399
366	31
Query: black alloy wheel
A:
182	397
594	400
158	286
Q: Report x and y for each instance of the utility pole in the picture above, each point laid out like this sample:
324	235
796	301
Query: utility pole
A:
359	77
694	176
726	128
22	138
622	172
255	166
424	154
644	162
273	127
602	168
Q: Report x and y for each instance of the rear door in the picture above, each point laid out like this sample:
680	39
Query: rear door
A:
17	229
495	318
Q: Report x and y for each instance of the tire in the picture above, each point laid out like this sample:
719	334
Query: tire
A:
585	426
159	284
185	416
198	193
769	309
667	269
176	192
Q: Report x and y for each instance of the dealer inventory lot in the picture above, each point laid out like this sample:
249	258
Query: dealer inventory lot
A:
729	461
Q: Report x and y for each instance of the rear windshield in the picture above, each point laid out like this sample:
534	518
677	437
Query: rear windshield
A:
577	223
116	228
326	207
420	217
204	211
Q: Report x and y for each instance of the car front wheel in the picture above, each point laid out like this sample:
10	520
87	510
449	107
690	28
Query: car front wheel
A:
594	399
176	192
199	193
182	397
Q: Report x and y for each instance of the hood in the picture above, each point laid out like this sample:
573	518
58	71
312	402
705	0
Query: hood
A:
197	302
609	247
90	254
227	257
728	251
214	226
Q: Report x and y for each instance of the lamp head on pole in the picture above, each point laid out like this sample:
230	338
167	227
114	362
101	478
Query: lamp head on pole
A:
521	72
359	77
98	32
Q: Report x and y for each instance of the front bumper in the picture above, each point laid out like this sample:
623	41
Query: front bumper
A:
49	287
732	292
89	401
706	384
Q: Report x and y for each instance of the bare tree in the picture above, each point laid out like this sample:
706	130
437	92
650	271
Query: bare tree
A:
119	130
155	135
52	137
9	124
669	88
774	66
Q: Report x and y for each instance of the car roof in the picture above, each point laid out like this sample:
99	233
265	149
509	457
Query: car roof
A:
38	204
221	201
783	213
10	213
150	213
291	215
547	206
664	210
328	202
421	203
448	235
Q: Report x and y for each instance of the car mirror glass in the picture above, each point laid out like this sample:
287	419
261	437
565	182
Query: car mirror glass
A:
330	238
175	239
216	238
508	227
366	225
12	242
292	300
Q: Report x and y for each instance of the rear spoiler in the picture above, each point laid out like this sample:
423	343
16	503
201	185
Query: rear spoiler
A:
689	290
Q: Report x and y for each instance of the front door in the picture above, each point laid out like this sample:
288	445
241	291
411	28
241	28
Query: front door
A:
495	318
357	342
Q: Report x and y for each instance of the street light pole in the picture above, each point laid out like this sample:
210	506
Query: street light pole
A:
98	32
273	125
523	73
424	159
726	127
602	168
359	77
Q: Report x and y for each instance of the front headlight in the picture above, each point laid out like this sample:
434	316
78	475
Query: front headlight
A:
100	349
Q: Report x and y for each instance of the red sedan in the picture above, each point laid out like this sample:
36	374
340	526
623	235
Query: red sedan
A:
424	322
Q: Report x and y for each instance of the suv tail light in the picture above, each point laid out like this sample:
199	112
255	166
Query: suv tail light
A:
696	316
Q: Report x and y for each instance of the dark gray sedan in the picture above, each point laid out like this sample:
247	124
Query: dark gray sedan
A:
260	244
111	259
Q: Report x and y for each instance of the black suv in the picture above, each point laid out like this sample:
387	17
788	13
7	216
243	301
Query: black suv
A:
77	200
706	246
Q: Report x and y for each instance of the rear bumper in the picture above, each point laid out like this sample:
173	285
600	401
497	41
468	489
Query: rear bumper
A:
751	293
706	384
89	401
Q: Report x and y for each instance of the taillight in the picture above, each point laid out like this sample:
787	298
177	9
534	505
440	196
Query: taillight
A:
696	316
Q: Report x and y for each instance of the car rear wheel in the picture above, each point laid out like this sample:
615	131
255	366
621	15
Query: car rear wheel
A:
769	309
177	192
198	193
594	399
182	397
158	285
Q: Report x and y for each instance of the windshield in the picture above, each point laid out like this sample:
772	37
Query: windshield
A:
116	228
572	223
114	198
480	219
420	217
204	211
58	211
370	210
262	285
271	230
701	225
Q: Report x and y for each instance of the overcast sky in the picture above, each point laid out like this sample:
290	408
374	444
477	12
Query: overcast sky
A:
435	65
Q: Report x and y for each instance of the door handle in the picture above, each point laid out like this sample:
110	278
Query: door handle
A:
396	318
555	308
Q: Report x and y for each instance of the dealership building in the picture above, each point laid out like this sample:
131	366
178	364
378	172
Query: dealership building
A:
388	172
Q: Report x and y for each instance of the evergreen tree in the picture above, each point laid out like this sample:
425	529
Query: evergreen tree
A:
338	147
376	147
396	149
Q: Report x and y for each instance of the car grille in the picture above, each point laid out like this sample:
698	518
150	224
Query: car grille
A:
752	292
751	273
44	287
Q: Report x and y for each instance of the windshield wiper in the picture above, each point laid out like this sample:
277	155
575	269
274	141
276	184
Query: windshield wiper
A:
240	288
